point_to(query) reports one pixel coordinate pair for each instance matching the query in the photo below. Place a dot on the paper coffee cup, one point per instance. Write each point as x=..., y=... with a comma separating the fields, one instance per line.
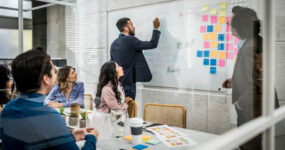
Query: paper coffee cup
x=136, y=130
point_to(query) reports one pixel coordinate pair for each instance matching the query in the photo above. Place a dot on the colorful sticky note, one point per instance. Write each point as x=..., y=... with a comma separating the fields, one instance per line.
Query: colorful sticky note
x=205, y=8
x=207, y=36
x=213, y=70
x=199, y=53
x=221, y=46
x=230, y=55
x=214, y=36
x=153, y=142
x=229, y=46
x=214, y=19
x=217, y=28
x=206, y=53
x=213, y=62
x=221, y=63
x=221, y=37
x=222, y=20
x=203, y=29
x=228, y=28
x=213, y=11
x=222, y=12
x=235, y=51
x=236, y=40
x=223, y=5
x=140, y=147
x=214, y=44
x=228, y=37
x=213, y=54
x=206, y=44
x=204, y=18
x=206, y=62
x=222, y=55
x=210, y=28
x=228, y=19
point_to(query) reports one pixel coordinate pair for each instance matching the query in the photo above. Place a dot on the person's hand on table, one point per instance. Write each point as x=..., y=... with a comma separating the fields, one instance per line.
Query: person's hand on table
x=79, y=134
x=55, y=104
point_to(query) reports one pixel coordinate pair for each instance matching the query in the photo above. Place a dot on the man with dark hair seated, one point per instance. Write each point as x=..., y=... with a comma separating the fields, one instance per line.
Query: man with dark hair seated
x=26, y=123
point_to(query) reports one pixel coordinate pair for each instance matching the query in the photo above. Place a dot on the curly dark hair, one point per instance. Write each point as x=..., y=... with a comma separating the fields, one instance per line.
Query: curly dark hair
x=108, y=73
x=4, y=78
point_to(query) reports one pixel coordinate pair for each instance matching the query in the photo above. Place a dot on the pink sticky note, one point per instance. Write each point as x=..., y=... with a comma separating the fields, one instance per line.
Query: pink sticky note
x=221, y=63
x=205, y=18
x=235, y=51
x=214, y=19
x=228, y=19
x=236, y=40
x=203, y=29
x=229, y=46
x=207, y=44
x=228, y=28
x=230, y=55
x=228, y=37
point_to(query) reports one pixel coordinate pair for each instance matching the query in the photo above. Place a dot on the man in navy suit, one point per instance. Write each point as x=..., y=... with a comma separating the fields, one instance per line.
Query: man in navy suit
x=126, y=50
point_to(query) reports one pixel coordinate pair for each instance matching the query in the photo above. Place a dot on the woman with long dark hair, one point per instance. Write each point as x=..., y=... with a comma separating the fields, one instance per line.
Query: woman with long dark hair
x=5, y=86
x=68, y=90
x=109, y=89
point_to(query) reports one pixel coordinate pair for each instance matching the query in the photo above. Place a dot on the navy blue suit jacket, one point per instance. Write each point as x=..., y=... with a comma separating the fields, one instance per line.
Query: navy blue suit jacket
x=127, y=52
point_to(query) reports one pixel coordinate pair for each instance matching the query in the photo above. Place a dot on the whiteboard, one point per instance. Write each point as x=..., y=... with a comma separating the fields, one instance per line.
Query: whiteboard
x=174, y=63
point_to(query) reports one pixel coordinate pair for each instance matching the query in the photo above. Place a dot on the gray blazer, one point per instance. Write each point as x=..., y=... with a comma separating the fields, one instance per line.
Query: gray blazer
x=243, y=79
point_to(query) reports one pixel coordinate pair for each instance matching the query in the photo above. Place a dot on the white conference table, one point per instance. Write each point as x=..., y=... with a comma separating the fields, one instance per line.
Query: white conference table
x=107, y=141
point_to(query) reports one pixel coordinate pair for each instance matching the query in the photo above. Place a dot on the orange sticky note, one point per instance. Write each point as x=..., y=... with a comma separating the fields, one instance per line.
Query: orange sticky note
x=214, y=44
x=217, y=28
x=213, y=53
x=144, y=138
x=222, y=55
x=222, y=20
x=207, y=36
x=214, y=36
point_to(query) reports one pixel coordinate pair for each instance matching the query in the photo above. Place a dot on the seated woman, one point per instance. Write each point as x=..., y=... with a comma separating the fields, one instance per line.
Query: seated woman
x=67, y=91
x=109, y=89
x=5, y=86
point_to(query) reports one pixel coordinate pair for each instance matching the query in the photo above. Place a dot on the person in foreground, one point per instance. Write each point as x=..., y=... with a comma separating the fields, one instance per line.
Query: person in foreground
x=26, y=123
x=5, y=86
x=109, y=89
x=67, y=91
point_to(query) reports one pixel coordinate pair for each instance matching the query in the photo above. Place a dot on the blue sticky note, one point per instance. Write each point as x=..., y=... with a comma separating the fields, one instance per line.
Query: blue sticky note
x=221, y=37
x=206, y=62
x=213, y=70
x=221, y=46
x=213, y=62
x=199, y=53
x=140, y=147
x=206, y=53
x=210, y=28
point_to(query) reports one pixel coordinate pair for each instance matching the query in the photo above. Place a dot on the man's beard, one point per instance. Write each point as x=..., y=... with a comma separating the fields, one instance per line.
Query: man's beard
x=132, y=33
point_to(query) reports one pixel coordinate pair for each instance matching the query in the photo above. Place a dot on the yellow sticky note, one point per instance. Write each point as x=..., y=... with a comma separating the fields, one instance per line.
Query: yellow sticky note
x=222, y=20
x=222, y=55
x=206, y=36
x=213, y=11
x=144, y=138
x=223, y=5
x=205, y=8
x=214, y=36
x=214, y=44
x=213, y=53
x=217, y=28
x=222, y=12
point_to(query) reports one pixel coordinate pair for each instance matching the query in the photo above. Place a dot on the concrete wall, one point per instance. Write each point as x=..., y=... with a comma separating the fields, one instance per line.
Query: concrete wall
x=86, y=48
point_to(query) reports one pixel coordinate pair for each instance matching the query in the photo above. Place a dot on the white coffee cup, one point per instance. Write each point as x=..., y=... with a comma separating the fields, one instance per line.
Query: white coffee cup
x=136, y=130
